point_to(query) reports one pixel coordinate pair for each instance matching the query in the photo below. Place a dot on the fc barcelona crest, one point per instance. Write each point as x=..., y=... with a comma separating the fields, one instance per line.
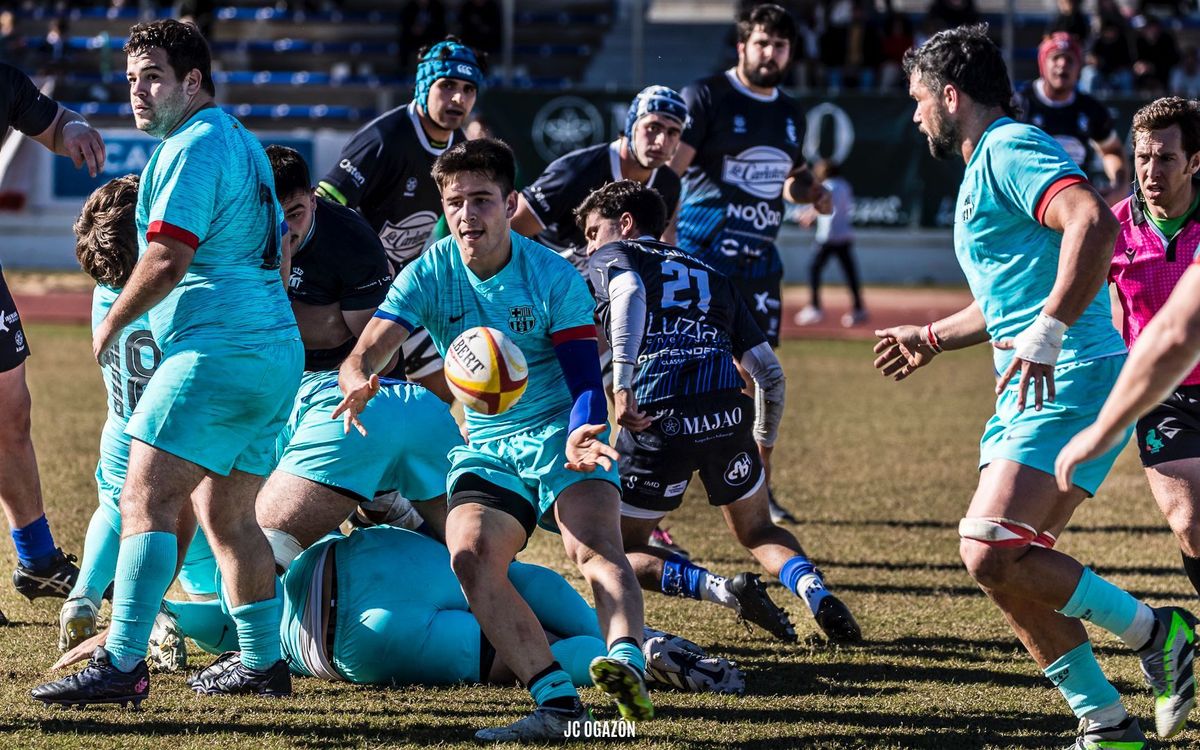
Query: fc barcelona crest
x=520, y=319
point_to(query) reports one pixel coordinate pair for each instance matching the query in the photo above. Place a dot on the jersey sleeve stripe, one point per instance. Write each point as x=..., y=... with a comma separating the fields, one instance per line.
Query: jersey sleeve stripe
x=1050, y=192
x=395, y=319
x=573, y=334
x=163, y=229
x=333, y=192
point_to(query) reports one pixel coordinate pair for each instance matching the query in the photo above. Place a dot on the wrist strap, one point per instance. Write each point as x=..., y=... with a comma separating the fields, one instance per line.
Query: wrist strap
x=932, y=339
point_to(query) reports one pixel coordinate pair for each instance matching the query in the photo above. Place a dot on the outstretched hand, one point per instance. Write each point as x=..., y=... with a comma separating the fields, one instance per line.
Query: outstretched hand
x=586, y=451
x=354, y=402
x=901, y=351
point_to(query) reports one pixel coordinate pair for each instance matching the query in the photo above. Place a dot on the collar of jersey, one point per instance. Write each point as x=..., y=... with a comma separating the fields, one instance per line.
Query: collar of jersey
x=1041, y=96
x=741, y=88
x=1004, y=120
x=614, y=163
x=485, y=284
x=421, y=137
x=200, y=114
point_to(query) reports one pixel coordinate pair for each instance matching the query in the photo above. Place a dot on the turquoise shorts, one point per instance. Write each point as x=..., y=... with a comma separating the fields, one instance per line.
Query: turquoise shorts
x=410, y=433
x=1035, y=438
x=530, y=464
x=222, y=408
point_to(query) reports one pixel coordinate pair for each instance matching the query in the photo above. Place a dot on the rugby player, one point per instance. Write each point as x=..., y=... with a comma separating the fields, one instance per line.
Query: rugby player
x=106, y=247
x=676, y=327
x=42, y=568
x=345, y=620
x=210, y=241
x=740, y=158
x=1035, y=242
x=1080, y=123
x=383, y=172
x=1160, y=234
x=511, y=476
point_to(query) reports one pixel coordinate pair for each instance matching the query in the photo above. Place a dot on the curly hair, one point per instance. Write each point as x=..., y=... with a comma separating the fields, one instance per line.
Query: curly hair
x=1161, y=114
x=184, y=44
x=644, y=204
x=106, y=232
x=967, y=59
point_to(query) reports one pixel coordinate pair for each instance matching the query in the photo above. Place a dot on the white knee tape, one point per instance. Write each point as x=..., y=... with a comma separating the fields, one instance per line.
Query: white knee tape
x=284, y=547
x=997, y=532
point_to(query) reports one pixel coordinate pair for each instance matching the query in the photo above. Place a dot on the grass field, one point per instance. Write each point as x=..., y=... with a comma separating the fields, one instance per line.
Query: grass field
x=881, y=473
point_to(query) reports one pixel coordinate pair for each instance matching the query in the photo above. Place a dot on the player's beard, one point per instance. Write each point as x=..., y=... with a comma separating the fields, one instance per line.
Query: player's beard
x=763, y=77
x=947, y=140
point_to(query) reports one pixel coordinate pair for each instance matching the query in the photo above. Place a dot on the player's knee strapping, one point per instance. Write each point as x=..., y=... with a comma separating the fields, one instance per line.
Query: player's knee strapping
x=284, y=547
x=999, y=532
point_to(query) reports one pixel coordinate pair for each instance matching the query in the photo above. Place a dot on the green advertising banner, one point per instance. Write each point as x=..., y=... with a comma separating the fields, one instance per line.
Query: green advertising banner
x=883, y=155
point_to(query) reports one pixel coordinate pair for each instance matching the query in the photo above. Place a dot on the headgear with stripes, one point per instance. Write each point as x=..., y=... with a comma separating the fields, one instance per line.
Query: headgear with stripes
x=656, y=100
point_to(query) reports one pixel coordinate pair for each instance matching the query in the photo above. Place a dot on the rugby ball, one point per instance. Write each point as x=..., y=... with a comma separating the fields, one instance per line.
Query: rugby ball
x=485, y=370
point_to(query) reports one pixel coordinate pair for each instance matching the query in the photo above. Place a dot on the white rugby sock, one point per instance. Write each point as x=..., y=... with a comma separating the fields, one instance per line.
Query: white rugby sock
x=714, y=588
x=1137, y=635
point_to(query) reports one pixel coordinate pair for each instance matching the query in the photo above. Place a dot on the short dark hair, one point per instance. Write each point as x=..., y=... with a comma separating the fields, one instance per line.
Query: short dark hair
x=490, y=157
x=644, y=204
x=291, y=173
x=1167, y=111
x=772, y=18
x=967, y=59
x=106, y=232
x=184, y=44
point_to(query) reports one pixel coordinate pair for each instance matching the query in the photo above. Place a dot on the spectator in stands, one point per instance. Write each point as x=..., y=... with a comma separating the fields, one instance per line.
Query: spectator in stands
x=422, y=24
x=11, y=43
x=896, y=40
x=200, y=13
x=1110, y=11
x=1072, y=20
x=947, y=14
x=1157, y=53
x=481, y=25
x=1185, y=79
x=1110, y=63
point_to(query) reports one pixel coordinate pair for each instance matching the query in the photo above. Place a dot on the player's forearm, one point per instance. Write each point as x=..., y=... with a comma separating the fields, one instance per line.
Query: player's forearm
x=1114, y=169
x=65, y=118
x=627, y=294
x=962, y=329
x=769, y=392
x=379, y=342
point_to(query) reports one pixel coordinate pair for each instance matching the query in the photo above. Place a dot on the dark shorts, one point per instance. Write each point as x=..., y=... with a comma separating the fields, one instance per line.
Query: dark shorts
x=764, y=298
x=709, y=434
x=13, y=348
x=1171, y=431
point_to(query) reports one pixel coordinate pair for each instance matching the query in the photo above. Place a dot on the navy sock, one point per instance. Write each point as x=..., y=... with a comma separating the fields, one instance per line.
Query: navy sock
x=35, y=544
x=682, y=577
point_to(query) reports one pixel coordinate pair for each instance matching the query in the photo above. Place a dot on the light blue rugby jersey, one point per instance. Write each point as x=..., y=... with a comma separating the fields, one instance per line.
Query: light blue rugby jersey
x=210, y=185
x=1009, y=258
x=534, y=300
x=127, y=365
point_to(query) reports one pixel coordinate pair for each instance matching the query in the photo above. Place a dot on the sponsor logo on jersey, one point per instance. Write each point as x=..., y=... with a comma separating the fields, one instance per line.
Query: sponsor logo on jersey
x=465, y=70
x=759, y=215
x=346, y=166
x=759, y=171
x=521, y=318
x=20, y=340
x=738, y=471
x=410, y=186
x=296, y=278
x=790, y=129
x=968, y=208
x=405, y=239
x=739, y=124
x=718, y=420
x=3, y=322
x=671, y=426
x=675, y=490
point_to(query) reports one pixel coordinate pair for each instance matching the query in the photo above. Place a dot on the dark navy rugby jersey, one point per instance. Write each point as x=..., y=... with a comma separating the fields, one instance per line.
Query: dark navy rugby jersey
x=555, y=195
x=696, y=321
x=1075, y=124
x=746, y=145
x=22, y=106
x=384, y=173
x=341, y=262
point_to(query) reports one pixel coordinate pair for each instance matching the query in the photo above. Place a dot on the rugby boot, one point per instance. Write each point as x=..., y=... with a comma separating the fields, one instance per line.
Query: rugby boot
x=835, y=620
x=1124, y=736
x=1167, y=666
x=228, y=676
x=76, y=622
x=545, y=724
x=56, y=579
x=670, y=665
x=779, y=514
x=677, y=641
x=98, y=682
x=662, y=539
x=754, y=605
x=167, y=648
x=625, y=684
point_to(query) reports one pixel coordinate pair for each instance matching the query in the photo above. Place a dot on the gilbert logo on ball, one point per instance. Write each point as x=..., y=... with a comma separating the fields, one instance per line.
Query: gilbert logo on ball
x=485, y=370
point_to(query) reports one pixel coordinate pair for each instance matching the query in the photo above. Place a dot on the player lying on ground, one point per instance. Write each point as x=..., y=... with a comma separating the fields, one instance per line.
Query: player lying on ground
x=346, y=619
x=544, y=460
x=676, y=328
x=1035, y=242
x=1160, y=234
x=106, y=247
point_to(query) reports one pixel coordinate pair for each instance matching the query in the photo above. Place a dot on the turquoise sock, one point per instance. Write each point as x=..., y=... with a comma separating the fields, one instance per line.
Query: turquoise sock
x=100, y=548
x=207, y=624
x=552, y=683
x=258, y=630
x=575, y=654
x=145, y=567
x=629, y=652
x=1078, y=677
x=1099, y=602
